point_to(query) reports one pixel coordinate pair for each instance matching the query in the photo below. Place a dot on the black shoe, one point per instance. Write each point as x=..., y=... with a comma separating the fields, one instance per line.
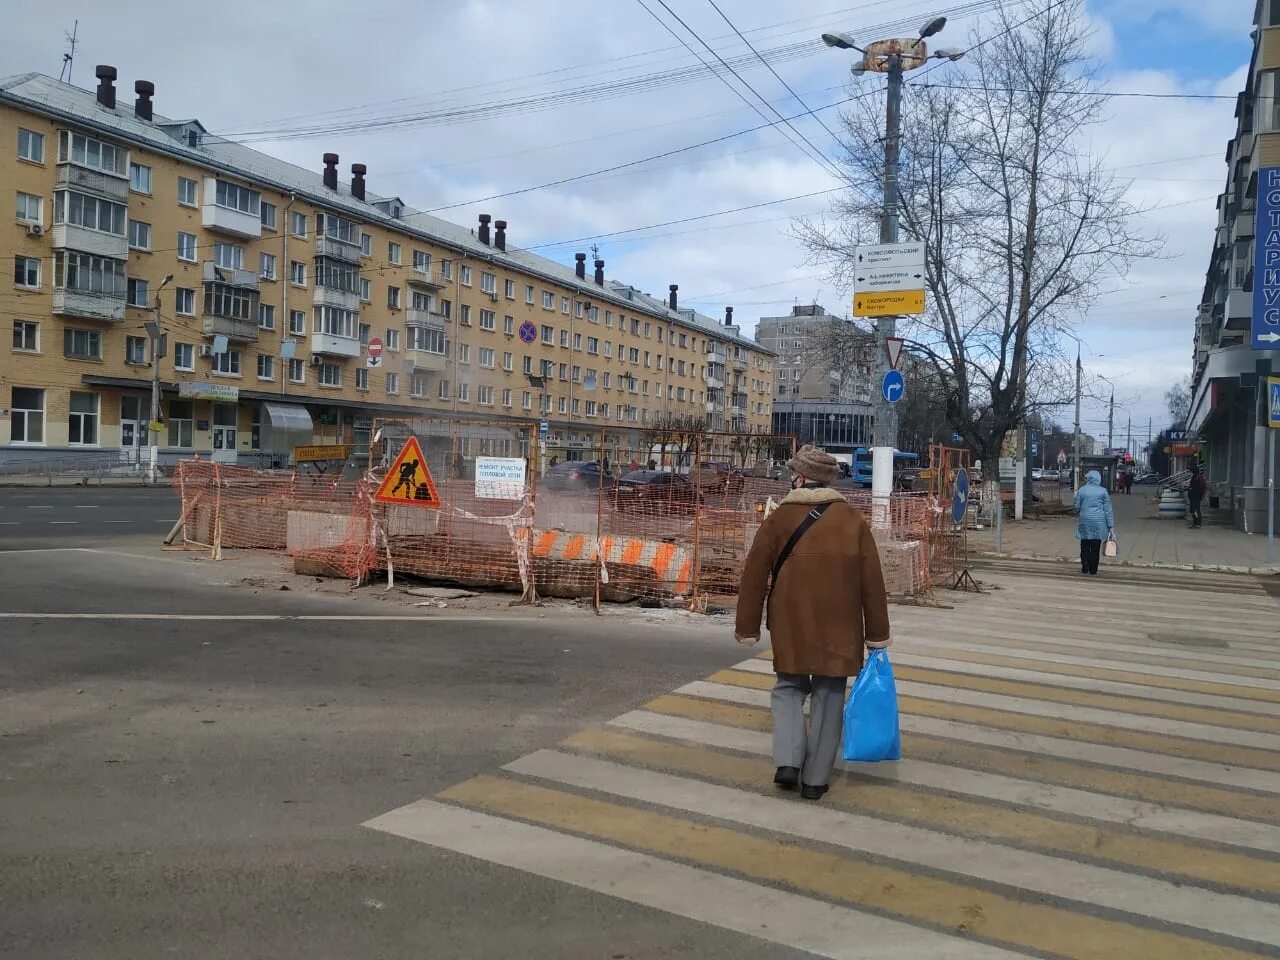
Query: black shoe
x=810, y=792
x=788, y=778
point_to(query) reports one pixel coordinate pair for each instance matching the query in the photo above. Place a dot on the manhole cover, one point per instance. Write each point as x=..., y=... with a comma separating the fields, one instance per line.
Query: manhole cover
x=1188, y=640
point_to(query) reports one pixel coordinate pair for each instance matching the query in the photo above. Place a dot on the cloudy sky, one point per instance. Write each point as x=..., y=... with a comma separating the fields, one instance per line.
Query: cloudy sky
x=450, y=102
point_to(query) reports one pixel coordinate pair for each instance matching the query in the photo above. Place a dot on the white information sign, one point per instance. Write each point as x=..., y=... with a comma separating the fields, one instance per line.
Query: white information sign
x=500, y=478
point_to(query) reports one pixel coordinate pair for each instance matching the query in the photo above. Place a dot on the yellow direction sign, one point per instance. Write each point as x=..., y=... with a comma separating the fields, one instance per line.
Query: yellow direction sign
x=888, y=303
x=318, y=453
x=408, y=483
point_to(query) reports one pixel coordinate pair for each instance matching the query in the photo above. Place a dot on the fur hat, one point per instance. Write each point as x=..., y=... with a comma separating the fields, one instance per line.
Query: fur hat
x=814, y=463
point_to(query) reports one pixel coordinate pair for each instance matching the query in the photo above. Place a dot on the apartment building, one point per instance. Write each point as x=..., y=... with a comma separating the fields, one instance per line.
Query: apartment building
x=1228, y=374
x=269, y=283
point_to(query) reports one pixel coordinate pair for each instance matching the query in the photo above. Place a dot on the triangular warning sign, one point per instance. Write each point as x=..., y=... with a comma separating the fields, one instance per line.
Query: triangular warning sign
x=408, y=483
x=893, y=347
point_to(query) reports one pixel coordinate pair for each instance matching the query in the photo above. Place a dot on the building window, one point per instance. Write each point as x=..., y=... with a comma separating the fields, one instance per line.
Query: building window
x=336, y=322
x=418, y=386
x=362, y=378
x=30, y=208
x=298, y=273
x=91, y=213
x=464, y=353
x=565, y=305
x=269, y=215
x=393, y=298
x=577, y=342
x=528, y=293
x=464, y=315
x=608, y=349
x=487, y=318
x=228, y=256
x=486, y=357
x=139, y=178
x=364, y=332
x=330, y=375
x=187, y=192
x=137, y=293
x=30, y=146
x=484, y=396
x=26, y=336
x=26, y=272
x=577, y=373
x=26, y=415
x=509, y=291
x=446, y=269
x=427, y=340
x=508, y=362
x=82, y=421
x=548, y=300
x=464, y=392
x=182, y=423
x=297, y=371
x=591, y=408
x=393, y=252
x=393, y=339
x=298, y=224
x=421, y=261
x=135, y=350
x=366, y=244
x=227, y=363
x=139, y=235
x=488, y=282
x=509, y=325
x=444, y=390
x=235, y=197
x=266, y=316
x=464, y=275
x=184, y=356
x=506, y=397
x=548, y=334
x=393, y=383
x=297, y=322
x=526, y=400
x=266, y=367
x=564, y=339
x=606, y=380
x=267, y=266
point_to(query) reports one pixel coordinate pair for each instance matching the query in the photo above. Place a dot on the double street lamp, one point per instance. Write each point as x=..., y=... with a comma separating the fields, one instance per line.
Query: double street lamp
x=893, y=58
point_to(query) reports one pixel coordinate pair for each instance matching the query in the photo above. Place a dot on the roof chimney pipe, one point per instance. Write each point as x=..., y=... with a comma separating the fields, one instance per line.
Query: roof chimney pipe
x=331, y=171
x=358, y=170
x=672, y=301
x=106, y=75
x=728, y=316
x=500, y=234
x=580, y=265
x=483, y=233
x=599, y=273
x=145, y=90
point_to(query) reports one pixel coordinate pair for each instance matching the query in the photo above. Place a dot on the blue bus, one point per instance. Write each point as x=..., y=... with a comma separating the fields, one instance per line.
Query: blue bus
x=862, y=464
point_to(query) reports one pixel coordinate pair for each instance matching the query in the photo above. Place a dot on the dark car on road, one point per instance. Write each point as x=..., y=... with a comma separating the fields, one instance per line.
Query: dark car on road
x=576, y=475
x=717, y=477
x=654, y=491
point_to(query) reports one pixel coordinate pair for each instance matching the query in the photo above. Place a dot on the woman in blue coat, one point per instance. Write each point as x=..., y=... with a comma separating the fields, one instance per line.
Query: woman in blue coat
x=1097, y=522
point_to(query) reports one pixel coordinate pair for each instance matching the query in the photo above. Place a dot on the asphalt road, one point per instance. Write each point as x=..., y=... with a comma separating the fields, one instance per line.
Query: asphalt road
x=194, y=785
x=29, y=516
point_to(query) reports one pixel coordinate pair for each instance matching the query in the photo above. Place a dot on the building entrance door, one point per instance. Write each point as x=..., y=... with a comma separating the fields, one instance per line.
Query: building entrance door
x=134, y=438
x=224, y=432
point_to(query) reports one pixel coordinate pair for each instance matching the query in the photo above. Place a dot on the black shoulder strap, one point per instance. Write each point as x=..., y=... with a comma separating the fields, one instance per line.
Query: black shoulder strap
x=796, y=534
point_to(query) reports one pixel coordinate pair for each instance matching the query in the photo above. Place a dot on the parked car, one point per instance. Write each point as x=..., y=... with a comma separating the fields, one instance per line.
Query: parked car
x=1150, y=478
x=718, y=476
x=575, y=475
x=656, y=491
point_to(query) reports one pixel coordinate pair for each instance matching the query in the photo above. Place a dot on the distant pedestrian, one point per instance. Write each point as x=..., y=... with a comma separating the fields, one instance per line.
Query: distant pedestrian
x=1196, y=489
x=1096, y=521
x=1128, y=483
x=815, y=559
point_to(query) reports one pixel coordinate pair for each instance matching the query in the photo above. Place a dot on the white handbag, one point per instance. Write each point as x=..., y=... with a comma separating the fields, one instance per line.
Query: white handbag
x=1111, y=549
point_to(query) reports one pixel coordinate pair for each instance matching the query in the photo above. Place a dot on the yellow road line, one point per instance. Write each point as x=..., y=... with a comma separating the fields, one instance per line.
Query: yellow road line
x=991, y=821
x=946, y=904
x=1045, y=769
x=1229, y=754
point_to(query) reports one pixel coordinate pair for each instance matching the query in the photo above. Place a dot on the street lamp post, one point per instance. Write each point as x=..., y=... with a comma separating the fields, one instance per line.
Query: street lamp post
x=159, y=345
x=893, y=58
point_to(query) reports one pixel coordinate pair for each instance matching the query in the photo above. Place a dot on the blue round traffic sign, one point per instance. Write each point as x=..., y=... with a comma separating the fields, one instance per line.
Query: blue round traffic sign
x=894, y=386
x=960, y=496
x=528, y=332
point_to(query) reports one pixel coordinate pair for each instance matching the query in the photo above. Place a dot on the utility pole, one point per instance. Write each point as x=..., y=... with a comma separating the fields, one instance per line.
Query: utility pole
x=159, y=347
x=1129, y=425
x=1075, y=446
x=1111, y=420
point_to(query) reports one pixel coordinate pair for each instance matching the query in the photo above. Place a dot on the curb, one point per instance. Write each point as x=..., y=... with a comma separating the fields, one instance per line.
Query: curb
x=1265, y=570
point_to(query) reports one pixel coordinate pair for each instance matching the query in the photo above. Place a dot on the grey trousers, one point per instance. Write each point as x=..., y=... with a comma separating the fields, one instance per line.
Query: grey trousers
x=812, y=751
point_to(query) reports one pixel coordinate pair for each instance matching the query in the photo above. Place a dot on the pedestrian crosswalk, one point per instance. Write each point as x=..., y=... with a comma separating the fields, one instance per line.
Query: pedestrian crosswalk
x=1090, y=770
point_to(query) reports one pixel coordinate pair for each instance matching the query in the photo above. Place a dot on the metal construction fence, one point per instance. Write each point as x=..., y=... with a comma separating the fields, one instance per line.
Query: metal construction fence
x=604, y=514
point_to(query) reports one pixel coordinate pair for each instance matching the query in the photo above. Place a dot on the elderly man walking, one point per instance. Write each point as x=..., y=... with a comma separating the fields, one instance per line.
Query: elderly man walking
x=816, y=560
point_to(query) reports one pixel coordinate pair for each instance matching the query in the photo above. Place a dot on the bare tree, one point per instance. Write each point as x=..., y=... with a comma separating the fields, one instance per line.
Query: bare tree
x=1178, y=399
x=1021, y=226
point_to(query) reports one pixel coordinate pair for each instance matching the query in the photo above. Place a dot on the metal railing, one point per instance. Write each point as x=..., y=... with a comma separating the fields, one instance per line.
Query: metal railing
x=78, y=467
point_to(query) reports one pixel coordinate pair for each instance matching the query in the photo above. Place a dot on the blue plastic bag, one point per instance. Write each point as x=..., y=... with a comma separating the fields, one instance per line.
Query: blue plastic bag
x=871, y=713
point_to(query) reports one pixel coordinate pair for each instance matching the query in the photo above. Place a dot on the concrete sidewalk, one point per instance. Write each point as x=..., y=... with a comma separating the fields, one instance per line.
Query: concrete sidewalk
x=1144, y=539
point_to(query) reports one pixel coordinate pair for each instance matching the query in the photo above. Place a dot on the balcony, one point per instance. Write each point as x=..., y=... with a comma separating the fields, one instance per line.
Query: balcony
x=1239, y=309
x=68, y=236
x=426, y=360
x=740, y=364
x=425, y=278
x=1242, y=228
x=236, y=223
x=328, y=246
x=233, y=328
x=335, y=297
x=329, y=344
x=717, y=355
x=88, y=305
x=231, y=276
x=424, y=318
x=93, y=181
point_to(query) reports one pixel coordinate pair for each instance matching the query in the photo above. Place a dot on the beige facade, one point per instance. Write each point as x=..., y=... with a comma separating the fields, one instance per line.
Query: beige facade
x=279, y=260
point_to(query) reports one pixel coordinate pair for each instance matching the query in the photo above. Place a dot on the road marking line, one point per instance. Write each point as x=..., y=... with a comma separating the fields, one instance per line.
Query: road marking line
x=853, y=880
x=63, y=522
x=1062, y=786
x=86, y=506
x=117, y=521
x=253, y=617
x=1082, y=883
x=774, y=916
x=32, y=506
x=889, y=795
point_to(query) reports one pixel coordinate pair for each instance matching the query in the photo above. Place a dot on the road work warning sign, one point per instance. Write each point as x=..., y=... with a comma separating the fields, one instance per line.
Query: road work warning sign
x=408, y=483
